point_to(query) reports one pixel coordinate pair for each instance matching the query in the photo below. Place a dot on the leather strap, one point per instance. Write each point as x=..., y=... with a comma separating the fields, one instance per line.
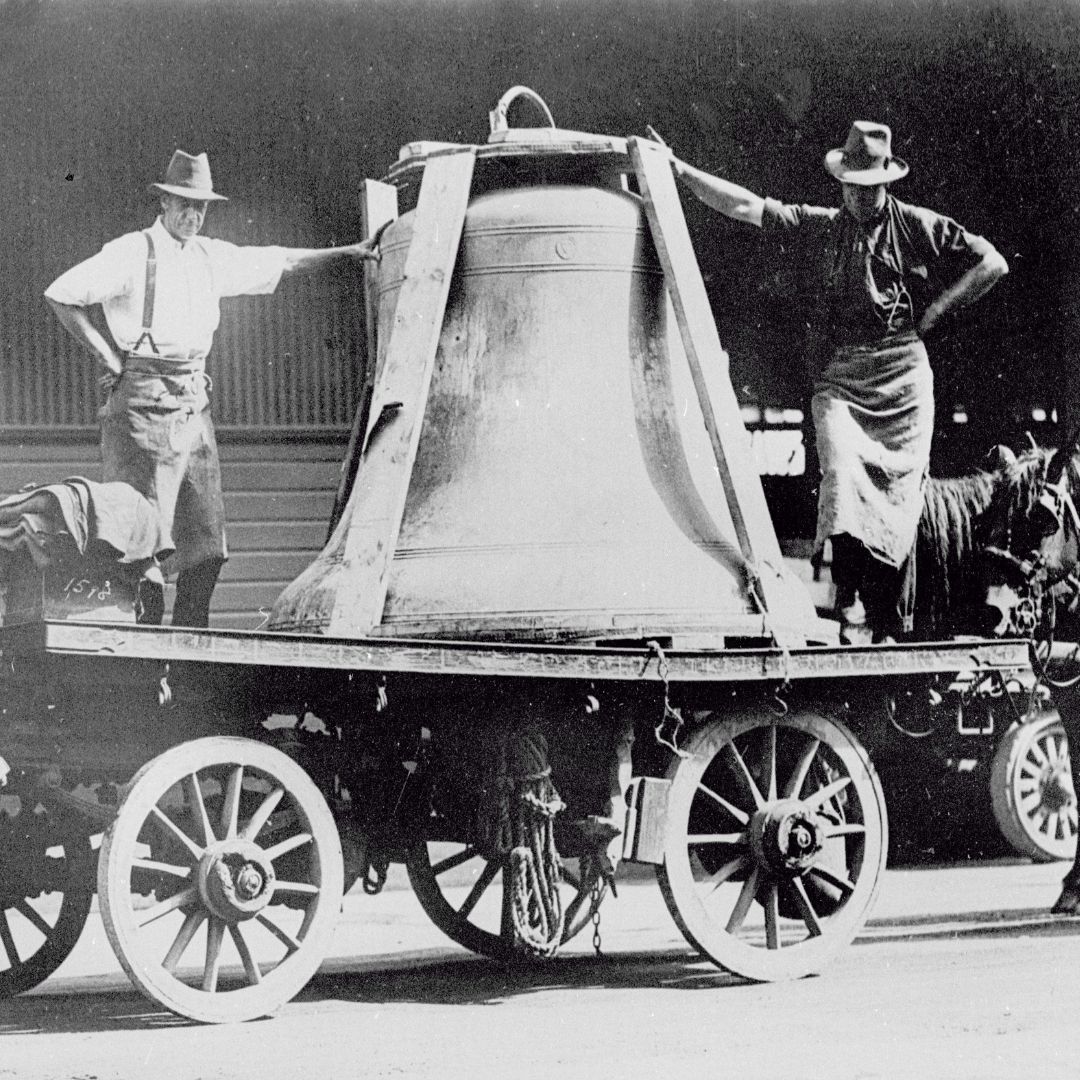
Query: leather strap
x=148, y=296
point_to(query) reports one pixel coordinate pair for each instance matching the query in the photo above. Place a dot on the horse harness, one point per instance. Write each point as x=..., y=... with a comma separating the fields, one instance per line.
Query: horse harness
x=1054, y=512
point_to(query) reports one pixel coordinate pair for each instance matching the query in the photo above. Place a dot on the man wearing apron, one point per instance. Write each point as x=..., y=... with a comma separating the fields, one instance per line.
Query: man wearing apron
x=160, y=290
x=885, y=272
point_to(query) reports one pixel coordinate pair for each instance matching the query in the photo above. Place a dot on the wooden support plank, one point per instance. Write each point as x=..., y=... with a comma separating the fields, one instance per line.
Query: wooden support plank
x=708, y=368
x=377, y=502
x=378, y=207
x=112, y=645
x=730, y=442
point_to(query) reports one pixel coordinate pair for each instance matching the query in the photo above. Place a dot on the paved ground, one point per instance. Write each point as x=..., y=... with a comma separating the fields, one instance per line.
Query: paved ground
x=960, y=974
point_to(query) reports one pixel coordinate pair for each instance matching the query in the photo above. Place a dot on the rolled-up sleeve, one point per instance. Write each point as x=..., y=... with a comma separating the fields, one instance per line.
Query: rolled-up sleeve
x=938, y=237
x=104, y=276
x=781, y=217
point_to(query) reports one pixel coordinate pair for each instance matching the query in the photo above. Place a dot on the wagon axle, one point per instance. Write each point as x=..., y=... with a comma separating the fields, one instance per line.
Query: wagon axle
x=236, y=880
x=786, y=836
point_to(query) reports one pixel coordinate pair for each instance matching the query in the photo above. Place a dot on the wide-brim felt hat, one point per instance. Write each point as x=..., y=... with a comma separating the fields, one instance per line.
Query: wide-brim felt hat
x=866, y=157
x=188, y=175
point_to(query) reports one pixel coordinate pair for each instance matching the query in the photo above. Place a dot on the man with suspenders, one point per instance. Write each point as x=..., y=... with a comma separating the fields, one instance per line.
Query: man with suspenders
x=160, y=290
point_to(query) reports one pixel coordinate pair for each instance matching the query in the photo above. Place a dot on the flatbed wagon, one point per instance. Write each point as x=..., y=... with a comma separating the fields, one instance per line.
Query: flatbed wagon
x=230, y=770
x=551, y=630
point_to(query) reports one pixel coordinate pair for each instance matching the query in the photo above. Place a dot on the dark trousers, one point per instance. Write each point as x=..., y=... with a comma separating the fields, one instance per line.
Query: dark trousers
x=194, y=588
x=887, y=592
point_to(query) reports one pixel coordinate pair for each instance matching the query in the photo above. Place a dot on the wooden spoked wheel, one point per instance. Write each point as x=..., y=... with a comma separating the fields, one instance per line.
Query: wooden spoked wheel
x=464, y=895
x=775, y=843
x=46, y=888
x=1031, y=789
x=220, y=880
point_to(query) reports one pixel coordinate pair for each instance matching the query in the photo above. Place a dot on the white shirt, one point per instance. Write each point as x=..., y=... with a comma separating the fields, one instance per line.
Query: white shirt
x=191, y=279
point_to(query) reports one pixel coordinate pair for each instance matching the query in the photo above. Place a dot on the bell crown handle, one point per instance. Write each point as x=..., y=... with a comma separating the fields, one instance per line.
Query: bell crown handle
x=498, y=115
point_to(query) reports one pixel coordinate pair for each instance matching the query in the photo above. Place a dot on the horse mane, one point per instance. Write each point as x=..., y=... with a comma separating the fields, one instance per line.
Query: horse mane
x=954, y=527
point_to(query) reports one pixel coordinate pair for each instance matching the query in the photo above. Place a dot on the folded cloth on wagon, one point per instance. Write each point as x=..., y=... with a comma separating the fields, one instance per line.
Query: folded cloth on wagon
x=80, y=518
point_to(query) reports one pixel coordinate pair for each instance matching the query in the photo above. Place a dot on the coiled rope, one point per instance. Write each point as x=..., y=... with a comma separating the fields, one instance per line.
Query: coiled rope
x=516, y=824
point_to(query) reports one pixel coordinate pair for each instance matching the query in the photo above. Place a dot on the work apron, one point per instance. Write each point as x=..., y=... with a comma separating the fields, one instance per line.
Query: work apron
x=157, y=435
x=873, y=410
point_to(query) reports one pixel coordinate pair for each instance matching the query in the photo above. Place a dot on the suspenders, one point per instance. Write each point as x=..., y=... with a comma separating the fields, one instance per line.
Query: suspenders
x=148, y=299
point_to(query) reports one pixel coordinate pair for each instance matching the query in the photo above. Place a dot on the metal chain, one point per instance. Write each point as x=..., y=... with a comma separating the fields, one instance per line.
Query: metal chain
x=597, y=894
x=671, y=721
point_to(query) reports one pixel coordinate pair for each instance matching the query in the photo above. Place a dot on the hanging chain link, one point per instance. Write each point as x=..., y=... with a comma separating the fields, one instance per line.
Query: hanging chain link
x=597, y=894
x=670, y=724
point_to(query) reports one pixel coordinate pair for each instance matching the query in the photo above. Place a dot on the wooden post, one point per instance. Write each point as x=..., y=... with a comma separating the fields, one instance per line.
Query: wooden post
x=377, y=502
x=378, y=207
x=708, y=367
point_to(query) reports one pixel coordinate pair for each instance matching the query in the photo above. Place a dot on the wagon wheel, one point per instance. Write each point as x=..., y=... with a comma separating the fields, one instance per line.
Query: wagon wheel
x=1031, y=789
x=46, y=888
x=220, y=880
x=775, y=843
x=463, y=893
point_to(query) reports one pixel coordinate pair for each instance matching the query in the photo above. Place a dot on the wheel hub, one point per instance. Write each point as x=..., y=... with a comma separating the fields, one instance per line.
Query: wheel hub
x=1057, y=790
x=236, y=880
x=787, y=836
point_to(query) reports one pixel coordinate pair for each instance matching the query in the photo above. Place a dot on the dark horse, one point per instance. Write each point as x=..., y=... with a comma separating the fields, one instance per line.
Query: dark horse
x=978, y=547
x=997, y=552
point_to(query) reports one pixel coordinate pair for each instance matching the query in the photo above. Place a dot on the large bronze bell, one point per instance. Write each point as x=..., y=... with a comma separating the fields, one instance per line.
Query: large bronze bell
x=563, y=484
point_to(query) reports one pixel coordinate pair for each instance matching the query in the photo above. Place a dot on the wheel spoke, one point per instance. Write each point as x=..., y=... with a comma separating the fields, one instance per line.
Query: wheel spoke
x=230, y=809
x=297, y=887
x=829, y=791
x=174, y=830
x=834, y=877
x=847, y=828
x=215, y=936
x=1030, y=802
x=161, y=867
x=737, y=838
x=290, y=943
x=455, y=860
x=801, y=770
x=742, y=905
x=172, y=903
x=806, y=908
x=771, y=764
x=183, y=939
x=251, y=969
x=8, y=941
x=198, y=808
x=479, y=888
x=744, y=772
x=772, y=916
x=728, y=870
x=741, y=816
x=31, y=915
x=291, y=844
x=262, y=815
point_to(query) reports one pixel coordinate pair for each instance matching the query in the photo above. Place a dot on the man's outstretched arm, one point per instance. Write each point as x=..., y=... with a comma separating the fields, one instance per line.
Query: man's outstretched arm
x=313, y=258
x=722, y=195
